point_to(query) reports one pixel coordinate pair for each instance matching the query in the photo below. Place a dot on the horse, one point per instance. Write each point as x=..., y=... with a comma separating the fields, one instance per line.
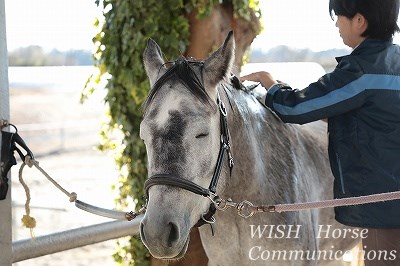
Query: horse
x=207, y=138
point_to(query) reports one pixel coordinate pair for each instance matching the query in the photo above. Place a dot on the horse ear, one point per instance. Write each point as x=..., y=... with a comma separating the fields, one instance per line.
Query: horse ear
x=153, y=61
x=219, y=64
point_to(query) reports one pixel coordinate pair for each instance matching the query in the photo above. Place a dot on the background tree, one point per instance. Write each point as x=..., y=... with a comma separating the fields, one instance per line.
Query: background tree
x=191, y=28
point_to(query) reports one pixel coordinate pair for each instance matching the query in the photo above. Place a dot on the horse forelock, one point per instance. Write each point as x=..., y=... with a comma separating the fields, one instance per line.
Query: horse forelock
x=182, y=70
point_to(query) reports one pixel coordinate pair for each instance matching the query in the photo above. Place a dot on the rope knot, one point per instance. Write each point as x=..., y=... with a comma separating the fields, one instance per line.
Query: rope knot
x=29, y=161
x=73, y=197
x=28, y=221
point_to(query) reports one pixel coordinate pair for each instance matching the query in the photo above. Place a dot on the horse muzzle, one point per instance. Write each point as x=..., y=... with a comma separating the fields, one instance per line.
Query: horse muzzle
x=165, y=238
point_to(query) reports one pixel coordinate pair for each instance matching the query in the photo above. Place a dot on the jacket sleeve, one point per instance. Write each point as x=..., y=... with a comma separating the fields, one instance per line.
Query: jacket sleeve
x=333, y=94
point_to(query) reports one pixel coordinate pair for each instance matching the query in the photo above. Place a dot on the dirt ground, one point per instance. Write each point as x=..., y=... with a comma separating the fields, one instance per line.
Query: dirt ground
x=62, y=133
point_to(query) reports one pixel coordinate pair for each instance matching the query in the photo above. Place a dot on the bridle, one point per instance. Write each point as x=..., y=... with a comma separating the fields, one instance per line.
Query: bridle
x=211, y=191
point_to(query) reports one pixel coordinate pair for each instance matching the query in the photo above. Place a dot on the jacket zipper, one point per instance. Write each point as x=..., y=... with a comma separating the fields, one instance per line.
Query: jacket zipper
x=340, y=173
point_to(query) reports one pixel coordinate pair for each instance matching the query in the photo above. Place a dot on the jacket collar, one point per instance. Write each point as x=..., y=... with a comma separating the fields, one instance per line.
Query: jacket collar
x=369, y=46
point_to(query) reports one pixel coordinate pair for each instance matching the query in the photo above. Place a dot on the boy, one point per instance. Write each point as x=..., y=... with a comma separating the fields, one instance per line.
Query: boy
x=361, y=101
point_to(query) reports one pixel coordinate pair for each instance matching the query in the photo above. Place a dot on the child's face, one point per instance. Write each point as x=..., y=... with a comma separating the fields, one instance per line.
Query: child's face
x=350, y=30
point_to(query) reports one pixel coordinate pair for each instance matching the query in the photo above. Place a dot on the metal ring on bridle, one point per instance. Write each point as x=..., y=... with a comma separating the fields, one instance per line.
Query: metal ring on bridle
x=211, y=221
x=245, y=206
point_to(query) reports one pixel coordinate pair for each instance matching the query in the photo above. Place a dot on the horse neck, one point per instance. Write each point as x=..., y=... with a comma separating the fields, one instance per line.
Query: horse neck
x=258, y=137
x=248, y=118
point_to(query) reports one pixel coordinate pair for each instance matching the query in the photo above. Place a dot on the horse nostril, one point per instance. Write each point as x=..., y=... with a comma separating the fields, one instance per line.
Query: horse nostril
x=173, y=234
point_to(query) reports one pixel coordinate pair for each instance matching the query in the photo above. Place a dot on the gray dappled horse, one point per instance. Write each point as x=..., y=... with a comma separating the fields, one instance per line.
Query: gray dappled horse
x=185, y=131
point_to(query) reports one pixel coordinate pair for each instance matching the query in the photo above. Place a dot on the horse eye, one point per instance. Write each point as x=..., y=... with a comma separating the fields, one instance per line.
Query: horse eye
x=203, y=135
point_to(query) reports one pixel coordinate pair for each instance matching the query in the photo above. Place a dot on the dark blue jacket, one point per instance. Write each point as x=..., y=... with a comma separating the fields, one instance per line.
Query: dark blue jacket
x=361, y=99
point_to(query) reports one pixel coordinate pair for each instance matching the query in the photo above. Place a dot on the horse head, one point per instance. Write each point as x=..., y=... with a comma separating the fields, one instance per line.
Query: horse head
x=181, y=129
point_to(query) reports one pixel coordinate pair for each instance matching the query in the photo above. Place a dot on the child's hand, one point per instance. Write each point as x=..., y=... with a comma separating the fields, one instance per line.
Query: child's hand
x=263, y=77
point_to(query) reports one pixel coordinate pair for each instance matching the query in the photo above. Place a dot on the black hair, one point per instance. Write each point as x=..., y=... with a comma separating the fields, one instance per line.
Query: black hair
x=380, y=14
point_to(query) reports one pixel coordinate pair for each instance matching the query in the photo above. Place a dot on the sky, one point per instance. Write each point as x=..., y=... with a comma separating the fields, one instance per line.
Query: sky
x=60, y=24
x=67, y=24
x=299, y=24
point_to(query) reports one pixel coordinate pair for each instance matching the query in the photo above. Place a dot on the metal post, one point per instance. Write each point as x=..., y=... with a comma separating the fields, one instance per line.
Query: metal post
x=5, y=205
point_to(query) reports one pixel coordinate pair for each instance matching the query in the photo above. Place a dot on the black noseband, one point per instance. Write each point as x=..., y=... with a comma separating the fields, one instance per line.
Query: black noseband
x=169, y=180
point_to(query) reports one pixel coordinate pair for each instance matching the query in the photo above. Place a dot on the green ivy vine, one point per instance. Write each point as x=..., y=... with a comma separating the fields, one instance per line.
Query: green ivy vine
x=123, y=31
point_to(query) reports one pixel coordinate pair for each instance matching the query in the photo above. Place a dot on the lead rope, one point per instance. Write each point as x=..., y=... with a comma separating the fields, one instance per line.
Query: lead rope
x=27, y=220
x=30, y=162
x=30, y=222
x=247, y=209
x=337, y=202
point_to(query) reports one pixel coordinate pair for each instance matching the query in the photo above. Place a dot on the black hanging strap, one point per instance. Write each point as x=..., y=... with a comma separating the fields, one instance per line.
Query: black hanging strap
x=8, y=146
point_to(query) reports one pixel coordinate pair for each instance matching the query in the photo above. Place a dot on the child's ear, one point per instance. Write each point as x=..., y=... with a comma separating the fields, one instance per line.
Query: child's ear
x=361, y=23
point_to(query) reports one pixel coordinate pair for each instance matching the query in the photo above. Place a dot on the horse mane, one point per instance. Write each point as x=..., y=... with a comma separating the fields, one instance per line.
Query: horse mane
x=183, y=70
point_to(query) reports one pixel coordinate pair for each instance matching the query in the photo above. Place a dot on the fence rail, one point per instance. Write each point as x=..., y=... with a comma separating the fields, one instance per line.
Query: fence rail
x=74, y=238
